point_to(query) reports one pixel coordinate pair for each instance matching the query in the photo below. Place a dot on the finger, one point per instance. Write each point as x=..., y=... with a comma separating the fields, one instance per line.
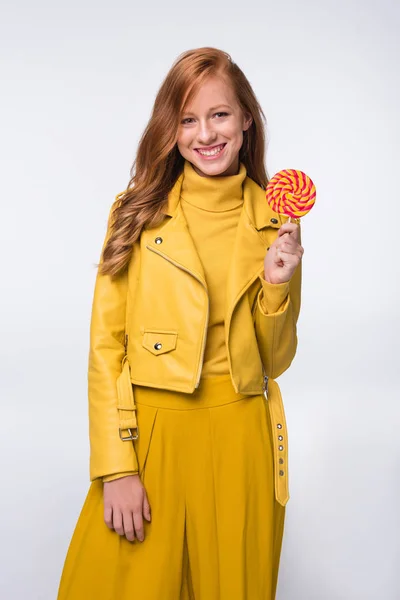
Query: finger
x=288, y=245
x=287, y=258
x=290, y=228
x=286, y=236
x=128, y=525
x=117, y=521
x=138, y=524
x=108, y=517
x=287, y=240
x=146, y=508
x=287, y=228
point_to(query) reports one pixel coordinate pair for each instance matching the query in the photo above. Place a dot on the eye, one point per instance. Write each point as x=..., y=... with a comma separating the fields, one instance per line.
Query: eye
x=184, y=121
x=225, y=114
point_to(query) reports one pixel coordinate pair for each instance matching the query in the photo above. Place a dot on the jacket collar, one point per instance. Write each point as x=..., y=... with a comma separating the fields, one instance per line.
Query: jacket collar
x=254, y=203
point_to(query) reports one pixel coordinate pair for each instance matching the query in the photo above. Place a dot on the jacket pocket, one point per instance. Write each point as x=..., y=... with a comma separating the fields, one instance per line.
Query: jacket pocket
x=159, y=341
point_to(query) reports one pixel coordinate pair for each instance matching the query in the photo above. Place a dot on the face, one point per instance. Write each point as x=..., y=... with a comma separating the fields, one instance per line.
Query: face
x=210, y=132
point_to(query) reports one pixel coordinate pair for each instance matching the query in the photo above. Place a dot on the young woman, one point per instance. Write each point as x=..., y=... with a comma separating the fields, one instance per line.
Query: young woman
x=194, y=315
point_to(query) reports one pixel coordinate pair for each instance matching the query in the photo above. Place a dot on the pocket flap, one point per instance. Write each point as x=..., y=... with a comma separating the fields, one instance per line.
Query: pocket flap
x=159, y=341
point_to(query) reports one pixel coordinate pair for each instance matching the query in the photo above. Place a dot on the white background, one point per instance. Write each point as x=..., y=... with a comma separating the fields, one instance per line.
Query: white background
x=78, y=82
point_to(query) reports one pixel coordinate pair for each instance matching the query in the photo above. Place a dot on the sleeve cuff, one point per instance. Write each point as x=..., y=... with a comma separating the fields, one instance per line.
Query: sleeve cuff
x=272, y=295
x=118, y=475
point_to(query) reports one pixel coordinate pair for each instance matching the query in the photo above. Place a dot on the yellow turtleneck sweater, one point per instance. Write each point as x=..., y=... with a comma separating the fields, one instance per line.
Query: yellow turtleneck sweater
x=212, y=207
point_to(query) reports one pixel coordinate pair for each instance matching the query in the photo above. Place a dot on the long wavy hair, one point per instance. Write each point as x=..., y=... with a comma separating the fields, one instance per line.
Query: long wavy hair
x=158, y=162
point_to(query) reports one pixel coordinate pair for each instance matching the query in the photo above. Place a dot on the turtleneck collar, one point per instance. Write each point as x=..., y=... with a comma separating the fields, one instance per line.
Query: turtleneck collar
x=214, y=194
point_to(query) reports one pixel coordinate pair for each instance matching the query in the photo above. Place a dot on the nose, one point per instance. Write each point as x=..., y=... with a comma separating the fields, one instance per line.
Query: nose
x=205, y=134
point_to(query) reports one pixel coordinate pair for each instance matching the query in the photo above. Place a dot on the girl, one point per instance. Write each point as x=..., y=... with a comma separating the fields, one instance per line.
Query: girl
x=194, y=315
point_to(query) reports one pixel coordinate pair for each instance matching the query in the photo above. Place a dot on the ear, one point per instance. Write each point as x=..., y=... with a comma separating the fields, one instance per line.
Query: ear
x=248, y=119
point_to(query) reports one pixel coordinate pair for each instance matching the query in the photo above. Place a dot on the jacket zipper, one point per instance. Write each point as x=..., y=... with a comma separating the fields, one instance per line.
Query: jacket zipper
x=126, y=343
x=203, y=346
x=265, y=383
x=207, y=315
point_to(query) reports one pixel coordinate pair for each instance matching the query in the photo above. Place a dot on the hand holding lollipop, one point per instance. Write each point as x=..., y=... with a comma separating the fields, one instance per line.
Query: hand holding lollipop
x=292, y=193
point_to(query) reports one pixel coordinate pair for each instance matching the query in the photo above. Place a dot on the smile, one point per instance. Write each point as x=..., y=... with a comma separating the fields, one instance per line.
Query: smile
x=214, y=152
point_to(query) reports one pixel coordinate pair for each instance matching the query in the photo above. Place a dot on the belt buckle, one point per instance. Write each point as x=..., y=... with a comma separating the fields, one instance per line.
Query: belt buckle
x=131, y=436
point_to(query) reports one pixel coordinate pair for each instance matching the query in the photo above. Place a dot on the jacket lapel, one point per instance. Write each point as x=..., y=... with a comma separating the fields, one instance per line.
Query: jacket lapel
x=247, y=260
x=177, y=244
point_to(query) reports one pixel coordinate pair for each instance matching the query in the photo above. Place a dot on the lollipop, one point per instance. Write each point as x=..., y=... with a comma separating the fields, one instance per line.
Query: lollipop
x=291, y=192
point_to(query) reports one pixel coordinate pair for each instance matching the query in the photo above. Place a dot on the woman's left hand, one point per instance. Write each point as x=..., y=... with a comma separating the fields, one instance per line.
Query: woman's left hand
x=284, y=255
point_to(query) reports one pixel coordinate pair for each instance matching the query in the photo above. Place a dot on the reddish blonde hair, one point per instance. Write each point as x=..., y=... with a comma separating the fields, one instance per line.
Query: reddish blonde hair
x=159, y=163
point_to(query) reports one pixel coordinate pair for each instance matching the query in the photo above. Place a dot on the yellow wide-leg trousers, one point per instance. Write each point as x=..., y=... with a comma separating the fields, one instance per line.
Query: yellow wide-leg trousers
x=206, y=461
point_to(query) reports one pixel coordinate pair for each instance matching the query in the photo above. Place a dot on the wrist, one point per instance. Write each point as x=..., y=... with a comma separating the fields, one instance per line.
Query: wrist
x=272, y=281
x=115, y=476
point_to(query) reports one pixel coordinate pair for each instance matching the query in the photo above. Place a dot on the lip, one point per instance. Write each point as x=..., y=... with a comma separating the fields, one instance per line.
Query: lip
x=211, y=148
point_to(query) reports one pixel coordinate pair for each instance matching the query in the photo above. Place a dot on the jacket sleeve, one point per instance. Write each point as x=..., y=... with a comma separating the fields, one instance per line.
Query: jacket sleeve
x=118, y=476
x=275, y=320
x=109, y=455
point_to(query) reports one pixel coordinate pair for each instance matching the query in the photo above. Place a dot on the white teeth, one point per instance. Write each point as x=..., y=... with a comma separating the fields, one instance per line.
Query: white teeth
x=210, y=152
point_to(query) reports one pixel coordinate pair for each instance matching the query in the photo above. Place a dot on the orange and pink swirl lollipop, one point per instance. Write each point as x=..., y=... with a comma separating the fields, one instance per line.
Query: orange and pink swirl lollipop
x=291, y=192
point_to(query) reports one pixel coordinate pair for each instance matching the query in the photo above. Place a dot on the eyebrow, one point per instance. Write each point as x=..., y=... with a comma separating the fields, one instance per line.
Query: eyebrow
x=211, y=109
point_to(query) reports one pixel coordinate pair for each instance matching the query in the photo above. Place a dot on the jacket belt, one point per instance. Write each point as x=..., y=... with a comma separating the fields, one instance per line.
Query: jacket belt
x=279, y=441
x=126, y=404
x=128, y=422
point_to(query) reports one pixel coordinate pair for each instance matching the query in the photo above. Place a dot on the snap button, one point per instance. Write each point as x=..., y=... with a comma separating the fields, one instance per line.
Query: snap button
x=158, y=346
x=158, y=240
x=274, y=221
x=281, y=448
x=281, y=473
x=279, y=426
x=280, y=437
x=281, y=461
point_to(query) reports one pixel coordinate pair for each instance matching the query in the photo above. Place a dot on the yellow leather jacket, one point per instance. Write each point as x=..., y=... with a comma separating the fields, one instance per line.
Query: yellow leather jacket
x=149, y=327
